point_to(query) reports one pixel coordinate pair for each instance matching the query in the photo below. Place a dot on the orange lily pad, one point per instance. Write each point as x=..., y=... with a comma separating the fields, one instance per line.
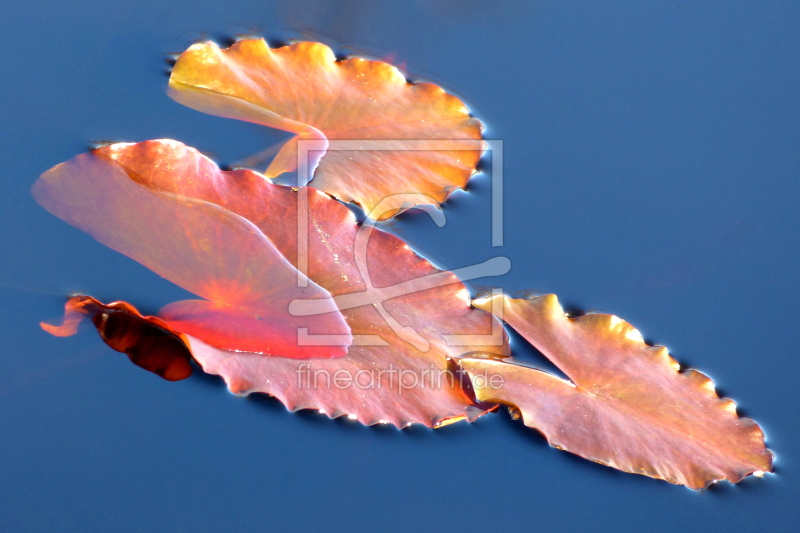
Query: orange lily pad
x=406, y=144
x=201, y=247
x=627, y=405
x=407, y=319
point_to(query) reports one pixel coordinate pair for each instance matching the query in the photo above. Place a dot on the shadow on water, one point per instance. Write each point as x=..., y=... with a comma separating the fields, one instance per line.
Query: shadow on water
x=573, y=310
x=209, y=381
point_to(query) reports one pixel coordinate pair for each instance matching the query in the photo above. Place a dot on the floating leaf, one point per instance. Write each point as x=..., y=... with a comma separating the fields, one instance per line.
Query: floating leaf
x=627, y=406
x=407, y=318
x=199, y=246
x=434, y=143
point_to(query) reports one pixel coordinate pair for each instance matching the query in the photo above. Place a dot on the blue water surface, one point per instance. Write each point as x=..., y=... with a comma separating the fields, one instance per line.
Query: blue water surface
x=651, y=164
